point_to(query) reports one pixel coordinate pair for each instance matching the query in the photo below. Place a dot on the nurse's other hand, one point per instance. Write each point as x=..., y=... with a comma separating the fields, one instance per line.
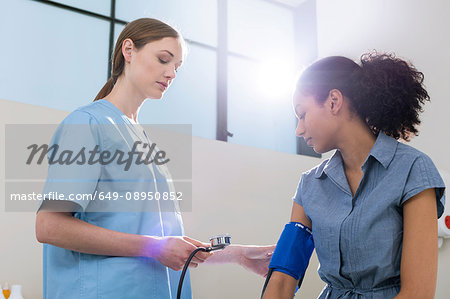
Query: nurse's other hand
x=256, y=258
x=173, y=252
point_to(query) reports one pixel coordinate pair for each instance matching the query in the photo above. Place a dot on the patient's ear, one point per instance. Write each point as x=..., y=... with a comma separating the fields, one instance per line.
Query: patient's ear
x=335, y=101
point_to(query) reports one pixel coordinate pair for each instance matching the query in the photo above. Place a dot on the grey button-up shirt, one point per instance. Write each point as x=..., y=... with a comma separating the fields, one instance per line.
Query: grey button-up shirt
x=358, y=238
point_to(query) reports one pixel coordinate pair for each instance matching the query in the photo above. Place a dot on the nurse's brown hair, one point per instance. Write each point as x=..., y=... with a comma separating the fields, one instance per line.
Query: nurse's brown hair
x=141, y=32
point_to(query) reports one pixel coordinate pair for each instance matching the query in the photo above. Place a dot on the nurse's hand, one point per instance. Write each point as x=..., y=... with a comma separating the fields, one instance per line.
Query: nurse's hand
x=173, y=252
x=256, y=258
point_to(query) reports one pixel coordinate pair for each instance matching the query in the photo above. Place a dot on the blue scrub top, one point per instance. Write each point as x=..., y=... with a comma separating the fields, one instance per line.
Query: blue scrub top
x=358, y=239
x=70, y=274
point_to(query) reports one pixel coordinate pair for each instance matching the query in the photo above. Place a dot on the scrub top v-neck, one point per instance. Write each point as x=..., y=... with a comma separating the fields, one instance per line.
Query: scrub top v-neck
x=74, y=275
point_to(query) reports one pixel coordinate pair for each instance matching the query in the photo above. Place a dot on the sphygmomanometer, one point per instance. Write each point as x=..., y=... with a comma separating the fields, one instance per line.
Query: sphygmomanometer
x=292, y=253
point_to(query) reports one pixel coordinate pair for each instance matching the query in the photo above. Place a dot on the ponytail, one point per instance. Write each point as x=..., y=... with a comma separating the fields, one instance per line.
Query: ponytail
x=384, y=91
x=389, y=95
x=107, y=88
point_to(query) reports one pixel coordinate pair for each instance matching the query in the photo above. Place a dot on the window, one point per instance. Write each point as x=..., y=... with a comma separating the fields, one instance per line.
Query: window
x=232, y=86
x=56, y=58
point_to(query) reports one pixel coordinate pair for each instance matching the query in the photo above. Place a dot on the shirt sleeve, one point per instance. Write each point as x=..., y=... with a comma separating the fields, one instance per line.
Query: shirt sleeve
x=424, y=175
x=298, y=198
x=71, y=174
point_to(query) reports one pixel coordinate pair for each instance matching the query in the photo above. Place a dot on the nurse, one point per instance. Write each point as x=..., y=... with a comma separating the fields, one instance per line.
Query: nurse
x=373, y=206
x=110, y=247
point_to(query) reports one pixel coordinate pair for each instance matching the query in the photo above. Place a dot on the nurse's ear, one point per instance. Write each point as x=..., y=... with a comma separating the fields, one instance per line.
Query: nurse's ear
x=335, y=101
x=127, y=49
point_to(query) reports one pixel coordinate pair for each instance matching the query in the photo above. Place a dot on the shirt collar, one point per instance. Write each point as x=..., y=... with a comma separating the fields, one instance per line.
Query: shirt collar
x=383, y=151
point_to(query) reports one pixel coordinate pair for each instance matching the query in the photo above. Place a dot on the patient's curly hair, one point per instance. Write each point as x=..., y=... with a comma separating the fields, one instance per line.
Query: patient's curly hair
x=385, y=91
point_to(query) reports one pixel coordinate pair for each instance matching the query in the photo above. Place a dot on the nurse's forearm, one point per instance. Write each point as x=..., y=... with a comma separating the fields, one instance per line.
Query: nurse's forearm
x=63, y=230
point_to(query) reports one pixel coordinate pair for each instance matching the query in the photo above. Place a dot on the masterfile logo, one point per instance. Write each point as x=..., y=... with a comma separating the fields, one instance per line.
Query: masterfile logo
x=106, y=168
x=146, y=155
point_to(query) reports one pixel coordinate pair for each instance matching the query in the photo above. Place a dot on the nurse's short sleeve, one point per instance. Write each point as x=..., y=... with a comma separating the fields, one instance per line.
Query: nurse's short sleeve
x=424, y=175
x=298, y=194
x=71, y=174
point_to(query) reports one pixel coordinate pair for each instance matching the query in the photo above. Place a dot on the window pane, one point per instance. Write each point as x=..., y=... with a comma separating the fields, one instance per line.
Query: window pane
x=257, y=117
x=192, y=97
x=260, y=29
x=55, y=58
x=195, y=19
x=98, y=6
x=117, y=30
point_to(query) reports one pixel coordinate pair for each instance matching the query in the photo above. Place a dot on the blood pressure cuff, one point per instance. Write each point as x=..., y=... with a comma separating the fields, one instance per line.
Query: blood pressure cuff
x=293, y=250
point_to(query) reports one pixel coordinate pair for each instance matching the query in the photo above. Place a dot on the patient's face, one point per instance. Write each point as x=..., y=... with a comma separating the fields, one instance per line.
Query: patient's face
x=315, y=123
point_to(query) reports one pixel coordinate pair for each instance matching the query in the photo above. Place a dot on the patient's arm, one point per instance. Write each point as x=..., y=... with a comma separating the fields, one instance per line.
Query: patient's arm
x=253, y=258
x=282, y=285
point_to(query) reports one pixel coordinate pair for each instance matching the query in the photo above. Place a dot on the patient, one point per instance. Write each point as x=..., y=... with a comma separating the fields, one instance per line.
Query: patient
x=362, y=204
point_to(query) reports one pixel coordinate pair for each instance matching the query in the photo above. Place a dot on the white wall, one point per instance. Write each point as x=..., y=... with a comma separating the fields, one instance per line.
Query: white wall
x=415, y=30
x=20, y=253
x=418, y=31
x=239, y=190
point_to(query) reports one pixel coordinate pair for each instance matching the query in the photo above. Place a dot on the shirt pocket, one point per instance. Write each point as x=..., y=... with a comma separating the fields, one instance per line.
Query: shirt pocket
x=128, y=277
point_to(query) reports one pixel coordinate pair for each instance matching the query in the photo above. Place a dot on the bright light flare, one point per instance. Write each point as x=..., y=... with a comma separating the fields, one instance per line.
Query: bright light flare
x=275, y=79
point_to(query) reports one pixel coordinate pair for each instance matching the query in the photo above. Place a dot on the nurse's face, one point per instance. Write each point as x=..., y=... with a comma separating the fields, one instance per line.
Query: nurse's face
x=152, y=68
x=316, y=123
